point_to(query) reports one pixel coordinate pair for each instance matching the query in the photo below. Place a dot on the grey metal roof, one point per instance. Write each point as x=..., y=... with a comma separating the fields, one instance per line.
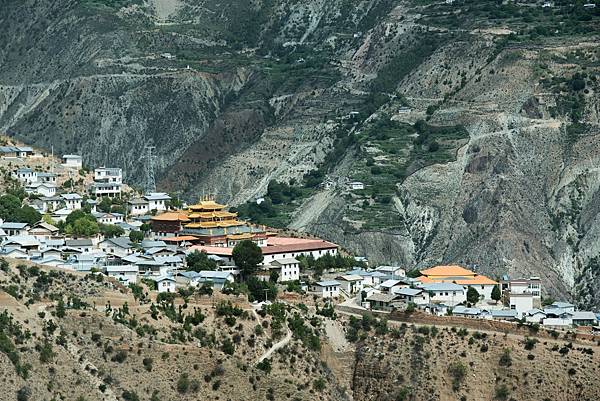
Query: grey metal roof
x=411, y=292
x=10, y=225
x=462, y=310
x=442, y=287
x=504, y=313
x=157, y=196
x=138, y=201
x=79, y=242
x=327, y=283
x=560, y=304
x=123, y=242
x=390, y=283
x=148, y=243
x=584, y=315
x=382, y=297
x=72, y=196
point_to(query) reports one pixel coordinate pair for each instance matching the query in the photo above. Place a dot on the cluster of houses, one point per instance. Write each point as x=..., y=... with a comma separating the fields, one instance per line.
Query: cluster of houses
x=442, y=290
x=155, y=259
x=208, y=227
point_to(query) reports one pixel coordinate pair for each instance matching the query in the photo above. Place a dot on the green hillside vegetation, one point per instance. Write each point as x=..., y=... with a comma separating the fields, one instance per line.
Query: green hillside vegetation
x=391, y=151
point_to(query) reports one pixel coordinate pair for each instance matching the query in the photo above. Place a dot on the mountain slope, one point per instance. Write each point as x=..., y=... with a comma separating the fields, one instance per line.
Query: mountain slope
x=473, y=127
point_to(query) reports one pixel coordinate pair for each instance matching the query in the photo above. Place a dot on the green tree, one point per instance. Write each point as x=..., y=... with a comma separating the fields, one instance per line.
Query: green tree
x=60, y=308
x=257, y=289
x=111, y=230
x=472, y=295
x=27, y=214
x=8, y=205
x=11, y=210
x=136, y=236
x=496, y=295
x=105, y=205
x=198, y=261
x=247, y=256
x=83, y=228
x=205, y=289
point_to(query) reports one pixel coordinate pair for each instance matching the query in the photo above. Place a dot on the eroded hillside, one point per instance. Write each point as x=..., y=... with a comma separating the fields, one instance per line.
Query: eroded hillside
x=473, y=124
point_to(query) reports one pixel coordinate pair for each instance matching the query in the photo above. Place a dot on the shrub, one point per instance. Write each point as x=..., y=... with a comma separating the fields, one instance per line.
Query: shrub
x=23, y=394
x=147, y=362
x=120, y=356
x=505, y=358
x=46, y=353
x=130, y=395
x=458, y=371
x=319, y=384
x=183, y=383
x=228, y=347
x=502, y=392
x=530, y=343
x=264, y=365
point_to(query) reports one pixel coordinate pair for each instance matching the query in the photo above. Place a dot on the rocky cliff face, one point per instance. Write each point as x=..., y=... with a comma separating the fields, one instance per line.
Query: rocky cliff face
x=502, y=176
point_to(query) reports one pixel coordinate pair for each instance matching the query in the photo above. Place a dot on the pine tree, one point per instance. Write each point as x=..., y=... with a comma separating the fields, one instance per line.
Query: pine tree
x=496, y=295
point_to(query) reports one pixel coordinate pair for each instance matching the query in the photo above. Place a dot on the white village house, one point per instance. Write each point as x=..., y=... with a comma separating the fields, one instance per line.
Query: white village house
x=287, y=268
x=72, y=201
x=326, y=289
x=74, y=161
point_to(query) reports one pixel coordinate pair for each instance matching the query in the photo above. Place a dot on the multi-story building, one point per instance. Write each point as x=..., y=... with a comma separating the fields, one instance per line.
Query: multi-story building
x=108, y=181
x=531, y=285
x=158, y=201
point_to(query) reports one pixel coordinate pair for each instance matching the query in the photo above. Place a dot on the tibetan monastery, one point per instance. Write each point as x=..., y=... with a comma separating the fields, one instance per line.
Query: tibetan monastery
x=210, y=224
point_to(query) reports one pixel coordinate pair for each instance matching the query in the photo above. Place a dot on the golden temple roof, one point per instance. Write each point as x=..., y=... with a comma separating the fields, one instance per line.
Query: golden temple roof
x=206, y=205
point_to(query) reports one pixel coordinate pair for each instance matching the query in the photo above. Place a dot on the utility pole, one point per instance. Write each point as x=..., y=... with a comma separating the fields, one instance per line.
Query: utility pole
x=150, y=180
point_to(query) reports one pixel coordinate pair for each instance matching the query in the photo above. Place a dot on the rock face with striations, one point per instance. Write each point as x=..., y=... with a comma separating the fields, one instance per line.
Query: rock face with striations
x=237, y=94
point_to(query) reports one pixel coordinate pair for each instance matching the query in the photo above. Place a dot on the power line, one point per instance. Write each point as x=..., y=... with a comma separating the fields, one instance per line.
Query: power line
x=149, y=157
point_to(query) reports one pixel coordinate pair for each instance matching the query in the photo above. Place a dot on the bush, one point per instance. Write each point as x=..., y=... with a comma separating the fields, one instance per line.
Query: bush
x=23, y=394
x=147, y=362
x=183, y=383
x=530, y=343
x=505, y=358
x=458, y=371
x=228, y=347
x=502, y=392
x=264, y=365
x=319, y=384
x=120, y=356
x=46, y=353
x=130, y=395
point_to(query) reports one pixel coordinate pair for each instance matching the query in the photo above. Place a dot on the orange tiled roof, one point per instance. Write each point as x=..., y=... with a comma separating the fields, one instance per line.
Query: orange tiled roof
x=461, y=280
x=452, y=270
x=171, y=216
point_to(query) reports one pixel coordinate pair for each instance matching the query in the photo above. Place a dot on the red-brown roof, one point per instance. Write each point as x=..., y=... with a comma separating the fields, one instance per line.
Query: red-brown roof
x=291, y=245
